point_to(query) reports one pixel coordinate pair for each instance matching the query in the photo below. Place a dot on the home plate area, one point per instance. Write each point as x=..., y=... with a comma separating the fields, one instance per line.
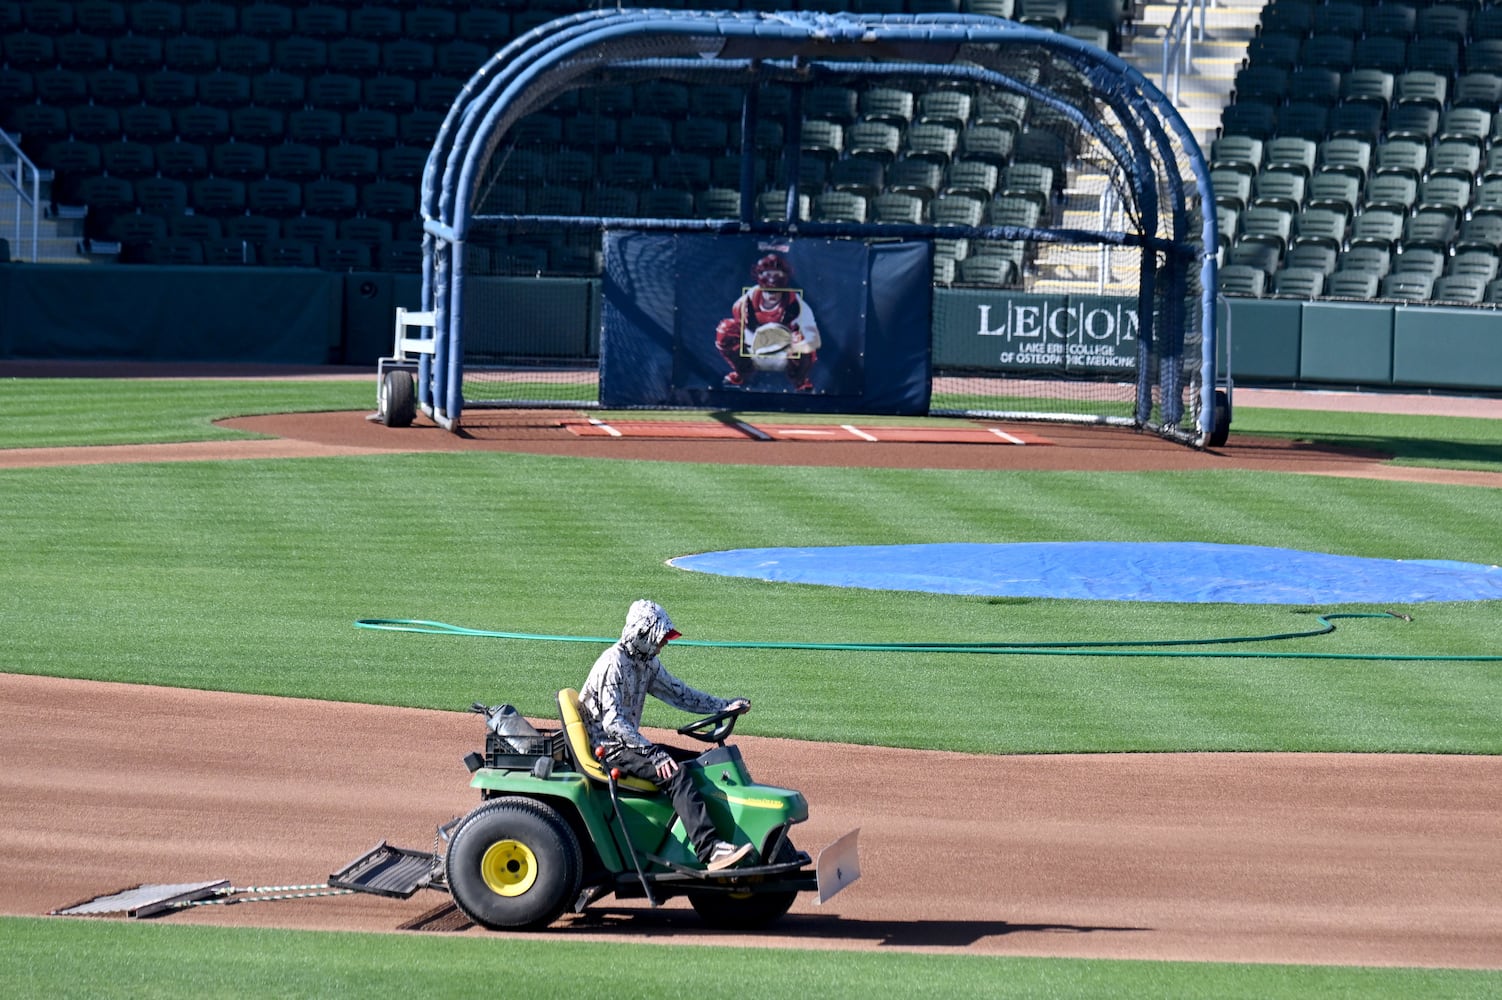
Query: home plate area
x=739, y=430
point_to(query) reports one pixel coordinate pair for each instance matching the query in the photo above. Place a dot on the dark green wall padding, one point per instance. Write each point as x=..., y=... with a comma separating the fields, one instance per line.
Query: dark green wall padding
x=300, y=316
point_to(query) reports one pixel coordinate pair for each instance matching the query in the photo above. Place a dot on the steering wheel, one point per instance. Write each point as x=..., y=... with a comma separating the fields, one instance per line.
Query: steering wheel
x=713, y=728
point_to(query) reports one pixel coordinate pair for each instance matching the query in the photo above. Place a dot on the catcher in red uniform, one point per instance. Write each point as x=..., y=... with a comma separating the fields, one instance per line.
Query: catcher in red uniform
x=770, y=328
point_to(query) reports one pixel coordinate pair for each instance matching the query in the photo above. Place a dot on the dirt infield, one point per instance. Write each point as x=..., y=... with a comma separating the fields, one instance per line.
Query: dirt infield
x=1318, y=858
x=1310, y=858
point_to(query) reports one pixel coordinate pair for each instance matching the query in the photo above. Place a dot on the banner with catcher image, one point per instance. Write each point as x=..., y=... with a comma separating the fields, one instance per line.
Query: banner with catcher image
x=770, y=323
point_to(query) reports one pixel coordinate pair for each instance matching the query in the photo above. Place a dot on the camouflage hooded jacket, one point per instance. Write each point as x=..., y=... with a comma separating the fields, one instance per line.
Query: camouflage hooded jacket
x=616, y=690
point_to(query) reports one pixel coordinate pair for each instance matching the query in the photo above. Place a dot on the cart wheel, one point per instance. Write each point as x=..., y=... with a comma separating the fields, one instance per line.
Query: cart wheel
x=514, y=864
x=398, y=400
x=1220, y=428
x=743, y=911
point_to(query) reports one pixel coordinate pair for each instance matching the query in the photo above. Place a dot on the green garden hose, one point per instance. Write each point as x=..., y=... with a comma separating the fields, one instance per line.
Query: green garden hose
x=1150, y=647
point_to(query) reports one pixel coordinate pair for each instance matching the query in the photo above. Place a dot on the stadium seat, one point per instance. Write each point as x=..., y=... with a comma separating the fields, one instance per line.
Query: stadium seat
x=1392, y=190
x=718, y=203
x=1411, y=287
x=238, y=159
x=974, y=178
x=194, y=227
x=1468, y=289
x=1321, y=225
x=155, y=17
x=145, y=123
x=1408, y=157
x=922, y=178
x=875, y=139
x=169, y=88
x=300, y=54
x=1371, y=87
x=1304, y=120
x=1482, y=231
x=273, y=196
x=956, y=210
x=93, y=123
x=1372, y=260
x=1478, y=90
x=1013, y=211
x=224, y=89
x=822, y=139
x=1382, y=52
x=1267, y=224
x=1422, y=87
x=1248, y=118
x=841, y=206
x=1242, y=280
x=70, y=157
x=1360, y=285
x=890, y=105
x=202, y=124
x=283, y=252
x=309, y=229
x=218, y=195
x=1345, y=20
x=1378, y=226
x=104, y=18
x=1356, y=120
x=182, y=160
x=331, y=198
x=388, y=200
x=1419, y=260
x=987, y=269
x=251, y=229
x=896, y=207
x=1334, y=190
x=1278, y=189
x=266, y=20
x=667, y=203
x=208, y=19
x=1312, y=257
x=833, y=103
x=859, y=175
x=1236, y=152
x=1397, y=20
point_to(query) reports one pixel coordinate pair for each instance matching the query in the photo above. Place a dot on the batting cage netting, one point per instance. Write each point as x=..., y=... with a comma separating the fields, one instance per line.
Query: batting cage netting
x=946, y=214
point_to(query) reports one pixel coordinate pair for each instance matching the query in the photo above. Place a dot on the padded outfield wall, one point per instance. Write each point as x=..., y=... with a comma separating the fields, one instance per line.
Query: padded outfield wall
x=297, y=316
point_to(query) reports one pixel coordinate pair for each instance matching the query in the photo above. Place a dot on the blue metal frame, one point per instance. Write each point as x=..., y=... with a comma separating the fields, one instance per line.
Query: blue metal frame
x=537, y=66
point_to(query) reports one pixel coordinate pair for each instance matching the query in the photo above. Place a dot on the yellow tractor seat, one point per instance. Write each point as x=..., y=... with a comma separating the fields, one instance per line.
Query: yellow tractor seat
x=583, y=754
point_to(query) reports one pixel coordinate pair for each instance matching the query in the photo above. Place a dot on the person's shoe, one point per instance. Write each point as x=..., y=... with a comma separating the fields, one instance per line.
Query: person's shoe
x=734, y=378
x=726, y=856
x=807, y=385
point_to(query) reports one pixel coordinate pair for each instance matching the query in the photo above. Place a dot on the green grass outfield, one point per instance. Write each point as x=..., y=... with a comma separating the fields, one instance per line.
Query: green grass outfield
x=248, y=575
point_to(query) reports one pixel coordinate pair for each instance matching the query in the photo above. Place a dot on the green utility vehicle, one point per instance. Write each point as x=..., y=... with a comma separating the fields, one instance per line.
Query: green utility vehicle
x=556, y=831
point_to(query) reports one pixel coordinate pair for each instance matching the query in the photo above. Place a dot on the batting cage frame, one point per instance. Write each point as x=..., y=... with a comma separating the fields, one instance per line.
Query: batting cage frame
x=1158, y=176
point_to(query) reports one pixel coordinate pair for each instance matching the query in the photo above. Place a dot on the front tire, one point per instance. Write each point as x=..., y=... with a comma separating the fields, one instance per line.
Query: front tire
x=746, y=911
x=514, y=864
x=398, y=399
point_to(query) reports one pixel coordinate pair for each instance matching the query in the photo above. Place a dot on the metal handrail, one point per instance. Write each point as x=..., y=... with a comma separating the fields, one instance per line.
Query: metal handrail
x=1178, y=44
x=16, y=174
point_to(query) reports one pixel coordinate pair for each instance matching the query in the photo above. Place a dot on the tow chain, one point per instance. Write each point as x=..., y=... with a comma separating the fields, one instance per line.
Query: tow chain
x=264, y=894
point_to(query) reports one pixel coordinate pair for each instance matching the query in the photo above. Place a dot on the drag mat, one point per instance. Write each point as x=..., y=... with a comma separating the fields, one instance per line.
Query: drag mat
x=1318, y=858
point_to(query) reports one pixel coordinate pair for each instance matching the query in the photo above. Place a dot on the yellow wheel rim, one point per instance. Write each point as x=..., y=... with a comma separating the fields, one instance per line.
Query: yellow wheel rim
x=509, y=867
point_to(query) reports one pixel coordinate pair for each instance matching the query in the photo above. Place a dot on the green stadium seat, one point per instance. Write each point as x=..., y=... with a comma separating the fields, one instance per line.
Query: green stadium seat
x=1299, y=283
x=1312, y=256
x=1378, y=225
x=1374, y=260
x=860, y=175
x=1393, y=190
x=975, y=178
x=1409, y=157
x=1428, y=261
x=1334, y=190
x=923, y=178
x=1467, y=289
x=841, y=206
x=987, y=270
x=1478, y=90
x=194, y=227
x=1347, y=20
x=718, y=203
x=956, y=210
x=1368, y=86
x=1397, y=20
x=1382, y=52
x=155, y=17
x=1315, y=84
x=104, y=18
x=1237, y=152
x=1359, y=285
x=165, y=196
x=278, y=90
x=1321, y=225
x=1242, y=280
x=888, y=105
x=1279, y=189
x=1407, y=287
x=896, y=207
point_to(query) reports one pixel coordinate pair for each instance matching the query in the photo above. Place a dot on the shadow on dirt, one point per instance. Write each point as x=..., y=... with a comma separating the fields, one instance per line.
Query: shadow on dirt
x=632, y=924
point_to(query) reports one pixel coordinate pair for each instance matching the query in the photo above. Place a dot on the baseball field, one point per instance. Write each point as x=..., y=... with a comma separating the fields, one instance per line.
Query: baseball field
x=186, y=697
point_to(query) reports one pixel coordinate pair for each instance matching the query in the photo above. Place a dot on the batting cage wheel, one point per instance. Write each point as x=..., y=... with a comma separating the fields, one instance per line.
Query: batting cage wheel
x=398, y=400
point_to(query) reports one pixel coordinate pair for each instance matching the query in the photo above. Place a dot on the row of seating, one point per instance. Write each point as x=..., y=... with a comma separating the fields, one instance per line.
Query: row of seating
x=1362, y=154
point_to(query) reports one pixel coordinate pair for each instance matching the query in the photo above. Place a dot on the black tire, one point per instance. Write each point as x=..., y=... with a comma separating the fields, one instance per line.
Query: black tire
x=745, y=911
x=398, y=399
x=1220, y=426
x=514, y=864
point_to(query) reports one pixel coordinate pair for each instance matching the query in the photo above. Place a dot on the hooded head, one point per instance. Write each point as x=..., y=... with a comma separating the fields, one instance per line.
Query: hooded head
x=647, y=628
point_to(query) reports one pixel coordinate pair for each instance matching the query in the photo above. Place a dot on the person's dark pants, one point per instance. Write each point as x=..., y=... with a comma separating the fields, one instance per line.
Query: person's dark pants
x=687, y=801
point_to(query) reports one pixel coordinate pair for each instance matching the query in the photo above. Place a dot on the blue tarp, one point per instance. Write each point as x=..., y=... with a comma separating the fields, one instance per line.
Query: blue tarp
x=1189, y=572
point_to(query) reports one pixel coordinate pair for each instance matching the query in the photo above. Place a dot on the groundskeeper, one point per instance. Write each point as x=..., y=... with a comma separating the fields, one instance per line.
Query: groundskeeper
x=611, y=703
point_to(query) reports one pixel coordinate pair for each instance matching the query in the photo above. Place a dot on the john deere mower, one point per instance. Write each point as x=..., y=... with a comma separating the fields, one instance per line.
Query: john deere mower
x=556, y=831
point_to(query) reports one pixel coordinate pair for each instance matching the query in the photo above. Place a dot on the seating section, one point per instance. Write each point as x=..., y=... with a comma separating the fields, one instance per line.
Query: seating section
x=1361, y=155
x=230, y=132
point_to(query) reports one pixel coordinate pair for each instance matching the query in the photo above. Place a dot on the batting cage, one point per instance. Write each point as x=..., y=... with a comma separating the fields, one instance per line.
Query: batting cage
x=901, y=214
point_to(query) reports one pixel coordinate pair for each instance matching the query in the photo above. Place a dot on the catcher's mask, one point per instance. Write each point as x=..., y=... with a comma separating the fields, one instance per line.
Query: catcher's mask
x=771, y=271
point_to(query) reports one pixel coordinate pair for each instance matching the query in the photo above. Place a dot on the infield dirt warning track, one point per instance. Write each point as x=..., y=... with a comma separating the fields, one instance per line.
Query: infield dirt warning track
x=740, y=430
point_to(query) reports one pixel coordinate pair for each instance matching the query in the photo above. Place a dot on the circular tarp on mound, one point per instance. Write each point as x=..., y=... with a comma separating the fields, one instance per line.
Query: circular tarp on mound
x=1189, y=572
